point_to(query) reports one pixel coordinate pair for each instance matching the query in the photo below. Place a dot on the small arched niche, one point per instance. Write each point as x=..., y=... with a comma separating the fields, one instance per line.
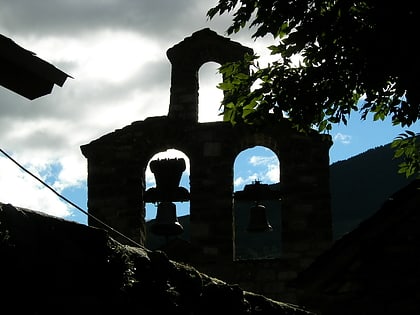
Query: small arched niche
x=256, y=165
x=182, y=207
x=210, y=97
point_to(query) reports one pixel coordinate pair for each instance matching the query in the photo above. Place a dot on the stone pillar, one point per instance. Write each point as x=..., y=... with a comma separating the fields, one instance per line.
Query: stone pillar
x=115, y=188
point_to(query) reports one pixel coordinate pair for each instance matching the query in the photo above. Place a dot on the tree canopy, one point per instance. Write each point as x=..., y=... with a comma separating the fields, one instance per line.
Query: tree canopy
x=353, y=56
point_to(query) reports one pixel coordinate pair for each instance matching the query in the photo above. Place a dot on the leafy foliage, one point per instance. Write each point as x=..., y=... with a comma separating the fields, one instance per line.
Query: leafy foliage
x=348, y=51
x=407, y=147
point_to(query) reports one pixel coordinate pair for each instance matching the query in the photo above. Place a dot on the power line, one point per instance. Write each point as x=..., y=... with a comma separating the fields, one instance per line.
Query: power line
x=69, y=201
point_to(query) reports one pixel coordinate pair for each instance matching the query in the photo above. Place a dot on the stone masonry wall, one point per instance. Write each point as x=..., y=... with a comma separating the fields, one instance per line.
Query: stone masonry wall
x=116, y=177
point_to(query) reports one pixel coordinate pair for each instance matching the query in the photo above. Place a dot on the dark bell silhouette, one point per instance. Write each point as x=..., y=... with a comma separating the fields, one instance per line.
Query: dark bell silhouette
x=257, y=214
x=168, y=174
x=166, y=222
x=258, y=219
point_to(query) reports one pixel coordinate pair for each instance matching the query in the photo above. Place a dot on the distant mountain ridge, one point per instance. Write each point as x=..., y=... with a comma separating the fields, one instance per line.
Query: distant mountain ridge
x=361, y=184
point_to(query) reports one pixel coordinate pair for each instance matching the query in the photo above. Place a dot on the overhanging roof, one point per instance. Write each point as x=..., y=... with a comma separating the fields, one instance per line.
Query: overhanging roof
x=22, y=72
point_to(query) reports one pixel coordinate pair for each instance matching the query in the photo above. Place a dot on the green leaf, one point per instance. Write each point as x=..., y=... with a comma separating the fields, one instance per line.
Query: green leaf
x=225, y=86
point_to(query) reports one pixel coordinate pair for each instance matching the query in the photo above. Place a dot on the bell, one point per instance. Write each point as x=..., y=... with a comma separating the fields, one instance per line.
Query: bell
x=166, y=222
x=168, y=173
x=258, y=220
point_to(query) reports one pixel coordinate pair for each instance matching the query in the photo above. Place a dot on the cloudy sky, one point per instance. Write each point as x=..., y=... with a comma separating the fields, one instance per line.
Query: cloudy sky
x=115, y=50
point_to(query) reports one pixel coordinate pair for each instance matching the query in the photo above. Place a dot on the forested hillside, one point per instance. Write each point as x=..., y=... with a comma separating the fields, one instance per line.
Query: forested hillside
x=359, y=186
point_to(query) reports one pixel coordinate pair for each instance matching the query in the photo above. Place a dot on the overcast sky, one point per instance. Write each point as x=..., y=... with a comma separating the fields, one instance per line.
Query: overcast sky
x=116, y=52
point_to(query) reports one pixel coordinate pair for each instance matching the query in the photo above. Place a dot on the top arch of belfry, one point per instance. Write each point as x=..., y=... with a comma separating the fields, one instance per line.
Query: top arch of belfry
x=186, y=58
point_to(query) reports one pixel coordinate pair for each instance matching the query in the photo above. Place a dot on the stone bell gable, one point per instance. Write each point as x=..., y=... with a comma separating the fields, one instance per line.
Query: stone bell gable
x=117, y=163
x=186, y=58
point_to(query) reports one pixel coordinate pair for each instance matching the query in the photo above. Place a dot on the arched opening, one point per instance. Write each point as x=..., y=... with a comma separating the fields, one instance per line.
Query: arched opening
x=209, y=96
x=153, y=240
x=256, y=166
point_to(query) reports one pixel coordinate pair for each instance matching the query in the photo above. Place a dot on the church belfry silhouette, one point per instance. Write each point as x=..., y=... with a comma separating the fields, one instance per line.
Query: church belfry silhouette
x=116, y=177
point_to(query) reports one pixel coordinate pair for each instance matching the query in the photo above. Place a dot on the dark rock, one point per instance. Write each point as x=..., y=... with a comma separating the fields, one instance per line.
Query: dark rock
x=53, y=266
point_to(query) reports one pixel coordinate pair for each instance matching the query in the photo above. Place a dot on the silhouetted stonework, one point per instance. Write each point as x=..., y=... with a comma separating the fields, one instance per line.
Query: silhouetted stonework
x=52, y=266
x=117, y=163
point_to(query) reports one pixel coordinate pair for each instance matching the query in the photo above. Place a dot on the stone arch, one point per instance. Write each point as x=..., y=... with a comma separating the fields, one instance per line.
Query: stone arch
x=264, y=244
x=266, y=139
x=210, y=97
x=186, y=59
x=168, y=153
x=256, y=149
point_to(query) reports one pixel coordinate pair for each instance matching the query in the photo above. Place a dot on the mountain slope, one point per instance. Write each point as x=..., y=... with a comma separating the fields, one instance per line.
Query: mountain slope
x=359, y=186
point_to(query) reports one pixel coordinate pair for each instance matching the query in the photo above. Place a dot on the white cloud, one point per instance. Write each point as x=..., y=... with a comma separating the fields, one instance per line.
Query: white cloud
x=273, y=172
x=22, y=190
x=262, y=160
x=210, y=97
x=71, y=174
x=116, y=52
x=239, y=182
x=342, y=138
x=112, y=56
x=269, y=165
